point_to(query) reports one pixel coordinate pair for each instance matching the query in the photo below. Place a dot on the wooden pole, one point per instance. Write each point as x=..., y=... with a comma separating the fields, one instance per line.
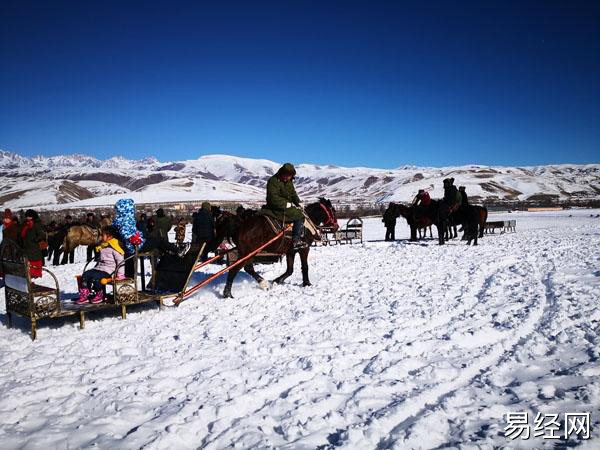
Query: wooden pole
x=193, y=289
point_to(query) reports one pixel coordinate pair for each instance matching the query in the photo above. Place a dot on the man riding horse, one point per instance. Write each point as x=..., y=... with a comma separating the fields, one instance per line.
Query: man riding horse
x=283, y=202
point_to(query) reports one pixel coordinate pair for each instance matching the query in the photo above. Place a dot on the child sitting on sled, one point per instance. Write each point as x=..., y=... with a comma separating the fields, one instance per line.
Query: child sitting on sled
x=110, y=256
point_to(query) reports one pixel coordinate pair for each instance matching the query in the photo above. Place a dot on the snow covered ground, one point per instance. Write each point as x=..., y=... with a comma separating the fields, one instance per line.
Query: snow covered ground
x=395, y=345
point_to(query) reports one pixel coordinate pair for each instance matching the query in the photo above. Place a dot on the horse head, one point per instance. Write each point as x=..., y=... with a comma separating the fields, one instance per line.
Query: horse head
x=323, y=213
x=402, y=210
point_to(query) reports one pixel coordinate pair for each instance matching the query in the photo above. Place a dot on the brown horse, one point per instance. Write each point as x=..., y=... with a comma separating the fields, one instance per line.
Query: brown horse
x=254, y=231
x=83, y=235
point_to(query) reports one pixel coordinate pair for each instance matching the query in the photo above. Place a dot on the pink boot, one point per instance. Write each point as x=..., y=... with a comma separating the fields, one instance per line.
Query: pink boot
x=98, y=298
x=83, y=296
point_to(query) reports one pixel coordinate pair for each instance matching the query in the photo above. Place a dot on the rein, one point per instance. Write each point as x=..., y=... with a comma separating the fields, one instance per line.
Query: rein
x=330, y=217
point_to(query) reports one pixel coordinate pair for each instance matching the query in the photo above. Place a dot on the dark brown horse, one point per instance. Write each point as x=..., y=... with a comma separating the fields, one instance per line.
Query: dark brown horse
x=254, y=230
x=417, y=218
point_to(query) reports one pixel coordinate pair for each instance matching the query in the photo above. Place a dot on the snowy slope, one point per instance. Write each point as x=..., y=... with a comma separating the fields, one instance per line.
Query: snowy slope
x=222, y=177
x=423, y=347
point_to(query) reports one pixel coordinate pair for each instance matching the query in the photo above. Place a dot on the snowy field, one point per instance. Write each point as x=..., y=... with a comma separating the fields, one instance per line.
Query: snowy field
x=395, y=345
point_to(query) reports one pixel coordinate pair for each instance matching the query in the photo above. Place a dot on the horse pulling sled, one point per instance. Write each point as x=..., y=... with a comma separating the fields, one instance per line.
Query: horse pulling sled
x=275, y=242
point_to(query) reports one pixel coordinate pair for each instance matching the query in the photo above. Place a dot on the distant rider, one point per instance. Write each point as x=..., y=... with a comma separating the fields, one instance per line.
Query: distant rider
x=422, y=198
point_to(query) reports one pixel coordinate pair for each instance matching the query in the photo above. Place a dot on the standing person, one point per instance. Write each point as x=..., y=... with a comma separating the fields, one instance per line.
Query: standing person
x=463, y=194
x=204, y=228
x=91, y=221
x=33, y=241
x=10, y=227
x=284, y=202
x=68, y=257
x=142, y=224
x=51, y=233
x=163, y=224
x=389, y=220
x=110, y=260
x=180, y=231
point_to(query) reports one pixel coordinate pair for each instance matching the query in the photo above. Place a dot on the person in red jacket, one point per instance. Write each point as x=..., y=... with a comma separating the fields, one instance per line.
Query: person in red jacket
x=422, y=198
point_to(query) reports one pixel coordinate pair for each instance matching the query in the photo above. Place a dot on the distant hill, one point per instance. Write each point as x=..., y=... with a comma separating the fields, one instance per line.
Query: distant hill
x=76, y=180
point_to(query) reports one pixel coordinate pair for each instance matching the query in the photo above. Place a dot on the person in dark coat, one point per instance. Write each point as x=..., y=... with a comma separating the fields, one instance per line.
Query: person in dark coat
x=463, y=194
x=163, y=225
x=142, y=224
x=203, y=227
x=11, y=227
x=389, y=220
x=452, y=198
x=68, y=257
x=51, y=229
x=33, y=241
x=283, y=201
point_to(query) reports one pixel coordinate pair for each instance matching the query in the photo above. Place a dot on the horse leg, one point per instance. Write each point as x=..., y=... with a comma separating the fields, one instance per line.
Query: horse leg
x=289, y=259
x=249, y=268
x=304, y=261
x=230, y=277
x=413, y=233
x=441, y=227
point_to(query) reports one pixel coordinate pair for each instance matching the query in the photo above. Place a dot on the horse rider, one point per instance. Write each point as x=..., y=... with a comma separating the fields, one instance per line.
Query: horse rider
x=283, y=200
x=452, y=197
x=422, y=198
x=463, y=194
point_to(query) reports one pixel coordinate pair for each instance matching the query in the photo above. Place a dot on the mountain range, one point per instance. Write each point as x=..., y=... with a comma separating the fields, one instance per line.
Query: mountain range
x=78, y=181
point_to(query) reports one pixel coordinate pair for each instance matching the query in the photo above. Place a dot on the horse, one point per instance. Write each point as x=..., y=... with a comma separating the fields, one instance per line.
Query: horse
x=482, y=214
x=469, y=216
x=417, y=218
x=83, y=235
x=254, y=231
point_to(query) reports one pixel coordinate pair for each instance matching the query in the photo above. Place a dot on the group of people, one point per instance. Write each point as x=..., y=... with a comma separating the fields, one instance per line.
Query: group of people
x=453, y=199
x=118, y=240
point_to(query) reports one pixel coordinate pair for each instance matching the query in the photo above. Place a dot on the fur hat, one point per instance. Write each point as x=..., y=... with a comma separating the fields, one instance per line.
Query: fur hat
x=461, y=188
x=31, y=213
x=160, y=212
x=8, y=214
x=206, y=206
x=287, y=169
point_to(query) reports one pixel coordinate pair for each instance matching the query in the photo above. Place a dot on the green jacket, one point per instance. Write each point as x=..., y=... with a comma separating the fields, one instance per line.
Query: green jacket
x=30, y=243
x=279, y=194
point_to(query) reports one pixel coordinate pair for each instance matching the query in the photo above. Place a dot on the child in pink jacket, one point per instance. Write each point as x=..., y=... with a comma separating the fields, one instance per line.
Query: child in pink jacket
x=110, y=256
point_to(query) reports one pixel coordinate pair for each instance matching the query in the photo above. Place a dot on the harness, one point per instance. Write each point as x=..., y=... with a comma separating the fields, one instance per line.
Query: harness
x=330, y=217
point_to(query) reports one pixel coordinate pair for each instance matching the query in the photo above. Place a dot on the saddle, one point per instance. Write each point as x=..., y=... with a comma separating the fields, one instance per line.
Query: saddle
x=278, y=226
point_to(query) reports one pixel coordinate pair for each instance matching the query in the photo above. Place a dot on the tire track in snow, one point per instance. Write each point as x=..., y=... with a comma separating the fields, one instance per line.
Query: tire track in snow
x=400, y=413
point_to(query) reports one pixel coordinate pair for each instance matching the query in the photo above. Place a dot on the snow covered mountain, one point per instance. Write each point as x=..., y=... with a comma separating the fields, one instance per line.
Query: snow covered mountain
x=78, y=180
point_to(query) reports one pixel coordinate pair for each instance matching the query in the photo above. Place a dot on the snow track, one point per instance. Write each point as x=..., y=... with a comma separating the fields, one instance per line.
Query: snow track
x=395, y=345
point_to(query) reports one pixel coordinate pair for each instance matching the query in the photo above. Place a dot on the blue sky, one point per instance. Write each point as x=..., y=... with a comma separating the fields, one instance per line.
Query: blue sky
x=378, y=84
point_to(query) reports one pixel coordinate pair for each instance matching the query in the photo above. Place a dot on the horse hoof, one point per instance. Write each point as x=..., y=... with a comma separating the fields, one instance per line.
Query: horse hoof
x=306, y=284
x=227, y=295
x=264, y=285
